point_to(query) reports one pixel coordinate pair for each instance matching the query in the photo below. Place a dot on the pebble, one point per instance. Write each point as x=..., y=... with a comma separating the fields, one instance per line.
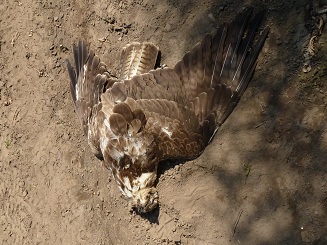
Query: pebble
x=167, y=27
x=221, y=8
x=176, y=237
x=25, y=192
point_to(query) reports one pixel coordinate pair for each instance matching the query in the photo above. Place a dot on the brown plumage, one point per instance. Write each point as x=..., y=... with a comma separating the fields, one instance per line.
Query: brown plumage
x=145, y=116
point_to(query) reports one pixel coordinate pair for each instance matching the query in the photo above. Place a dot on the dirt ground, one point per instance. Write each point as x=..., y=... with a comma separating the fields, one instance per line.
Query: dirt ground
x=263, y=180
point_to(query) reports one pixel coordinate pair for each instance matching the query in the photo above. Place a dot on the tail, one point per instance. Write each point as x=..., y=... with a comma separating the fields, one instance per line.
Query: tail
x=137, y=58
x=217, y=71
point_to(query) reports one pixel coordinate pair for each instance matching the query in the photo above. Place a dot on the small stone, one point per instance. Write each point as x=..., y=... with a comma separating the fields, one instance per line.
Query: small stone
x=25, y=192
x=176, y=237
x=167, y=27
x=56, y=18
x=306, y=68
x=7, y=102
x=211, y=17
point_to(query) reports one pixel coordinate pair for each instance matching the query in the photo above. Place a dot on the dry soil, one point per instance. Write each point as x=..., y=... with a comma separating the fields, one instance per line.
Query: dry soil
x=263, y=180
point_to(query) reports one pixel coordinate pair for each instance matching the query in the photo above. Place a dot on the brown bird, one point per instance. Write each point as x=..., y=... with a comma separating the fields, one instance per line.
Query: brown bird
x=144, y=116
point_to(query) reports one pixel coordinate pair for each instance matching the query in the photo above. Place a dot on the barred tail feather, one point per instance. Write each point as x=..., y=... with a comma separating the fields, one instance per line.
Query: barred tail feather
x=137, y=58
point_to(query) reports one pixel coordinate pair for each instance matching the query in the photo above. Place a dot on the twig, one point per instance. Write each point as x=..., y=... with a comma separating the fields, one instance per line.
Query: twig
x=247, y=169
x=237, y=221
x=259, y=125
x=321, y=25
x=14, y=119
x=14, y=38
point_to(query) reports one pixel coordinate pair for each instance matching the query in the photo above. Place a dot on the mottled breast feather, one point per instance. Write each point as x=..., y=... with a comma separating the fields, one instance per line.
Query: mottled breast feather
x=143, y=116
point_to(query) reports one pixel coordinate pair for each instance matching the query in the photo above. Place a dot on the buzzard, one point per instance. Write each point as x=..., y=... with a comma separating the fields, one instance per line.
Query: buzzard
x=143, y=116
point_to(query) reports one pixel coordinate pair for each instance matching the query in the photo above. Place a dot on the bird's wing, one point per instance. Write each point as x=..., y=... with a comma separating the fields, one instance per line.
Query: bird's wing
x=156, y=84
x=160, y=96
x=185, y=106
x=216, y=72
x=174, y=128
x=90, y=80
x=87, y=82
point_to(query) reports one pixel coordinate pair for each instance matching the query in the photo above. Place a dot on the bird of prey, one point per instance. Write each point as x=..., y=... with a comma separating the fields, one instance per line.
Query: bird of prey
x=143, y=116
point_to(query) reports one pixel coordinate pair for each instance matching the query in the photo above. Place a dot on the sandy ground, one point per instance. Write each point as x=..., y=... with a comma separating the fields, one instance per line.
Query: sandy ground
x=263, y=180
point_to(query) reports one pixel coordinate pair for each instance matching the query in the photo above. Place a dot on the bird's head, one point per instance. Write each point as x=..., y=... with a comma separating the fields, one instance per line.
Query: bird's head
x=145, y=200
x=138, y=175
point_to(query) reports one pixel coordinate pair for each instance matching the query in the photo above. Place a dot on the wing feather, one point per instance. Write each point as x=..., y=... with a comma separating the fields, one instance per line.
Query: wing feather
x=157, y=84
x=88, y=81
x=216, y=72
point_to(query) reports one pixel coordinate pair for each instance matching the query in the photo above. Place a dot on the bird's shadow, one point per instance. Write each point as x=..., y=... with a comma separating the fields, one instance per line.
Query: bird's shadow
x=152, y=216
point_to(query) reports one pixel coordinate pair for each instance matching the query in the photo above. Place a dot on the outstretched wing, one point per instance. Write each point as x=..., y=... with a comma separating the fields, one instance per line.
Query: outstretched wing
x=87, y=84
x=217, y=71
x=185, y=106
x=159, y=95
x=91, y=79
